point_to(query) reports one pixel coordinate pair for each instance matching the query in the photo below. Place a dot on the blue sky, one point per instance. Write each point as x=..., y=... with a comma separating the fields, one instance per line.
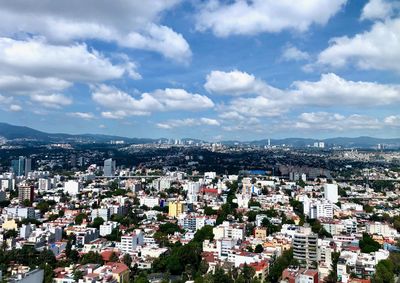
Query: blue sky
x=215, y=70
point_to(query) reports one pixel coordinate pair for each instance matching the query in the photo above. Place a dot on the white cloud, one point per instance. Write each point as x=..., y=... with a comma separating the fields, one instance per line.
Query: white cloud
x=393, y=120
x=52, y=101
x=333, y=90
x=36, y=58
x=330, y=91
x=82, y=115
x=257, y=16
x=15, y=108
x=236, y=83
x=376, y=49
x=129, y=23
x=190, y=122
x=292, y=53
x=24, y=85
x=336, y=122
x=377, y=9
x=122, y=104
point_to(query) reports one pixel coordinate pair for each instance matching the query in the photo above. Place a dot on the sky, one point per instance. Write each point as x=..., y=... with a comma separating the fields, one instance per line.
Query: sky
x=211, y=69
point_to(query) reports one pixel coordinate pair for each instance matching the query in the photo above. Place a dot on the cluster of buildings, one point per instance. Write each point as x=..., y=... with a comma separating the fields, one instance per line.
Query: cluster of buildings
x=254, y=221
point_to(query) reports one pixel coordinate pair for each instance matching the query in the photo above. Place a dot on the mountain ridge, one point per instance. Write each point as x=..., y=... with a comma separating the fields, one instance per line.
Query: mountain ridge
x=13, y=132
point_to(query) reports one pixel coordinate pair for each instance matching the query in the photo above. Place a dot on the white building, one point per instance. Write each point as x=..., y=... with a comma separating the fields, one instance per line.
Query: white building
x=72, y=187
x=331, y=192
x=107, y=227
x=129, y=243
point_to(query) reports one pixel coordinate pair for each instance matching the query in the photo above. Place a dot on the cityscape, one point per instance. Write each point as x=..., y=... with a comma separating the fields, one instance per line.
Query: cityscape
x=180, y=141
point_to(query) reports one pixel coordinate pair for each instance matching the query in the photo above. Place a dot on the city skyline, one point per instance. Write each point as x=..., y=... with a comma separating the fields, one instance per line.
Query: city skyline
x=213, y=71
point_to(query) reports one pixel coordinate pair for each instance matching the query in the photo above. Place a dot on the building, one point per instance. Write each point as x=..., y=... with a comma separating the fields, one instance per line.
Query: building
x=300, y=275
x=109, y=167
x=72, y=187
x=260, y=233
x=130, y=242
x=102, y=213
x=21, y=166
x=175, y=208
x=44, y=184
x=26, y=193
x=331, y=192
x=305, y=244
x=229, y=231
x=107, y=227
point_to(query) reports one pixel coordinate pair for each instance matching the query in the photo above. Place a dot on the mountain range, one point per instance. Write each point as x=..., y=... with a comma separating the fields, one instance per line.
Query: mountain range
x=21, y=133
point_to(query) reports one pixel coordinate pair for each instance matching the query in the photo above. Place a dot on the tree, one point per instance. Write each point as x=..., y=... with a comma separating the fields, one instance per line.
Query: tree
x=114, y=257
x=368, y=245
x=384, y=272
x=247, y=273
x=259, y=249
x=205, y=233
x=279, y=265
x=79, y=218
x=92, y=257
x=97, y=222
x=127, y=260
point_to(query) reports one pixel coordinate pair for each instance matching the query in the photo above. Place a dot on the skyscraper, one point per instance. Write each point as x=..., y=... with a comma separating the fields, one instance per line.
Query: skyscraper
x=21, y=166
x=109, y=167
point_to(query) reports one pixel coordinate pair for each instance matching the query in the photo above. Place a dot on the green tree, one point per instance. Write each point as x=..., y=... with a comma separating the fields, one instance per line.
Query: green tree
x=205, y=233
x=92, y=257
x=368, y=245
x=259, y=249
x=97, y=222
x=384, y=272
x=127, y=260
x=79, y=218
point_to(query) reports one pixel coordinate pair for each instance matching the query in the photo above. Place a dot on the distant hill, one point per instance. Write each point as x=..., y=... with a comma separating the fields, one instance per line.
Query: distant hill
x=12, y=132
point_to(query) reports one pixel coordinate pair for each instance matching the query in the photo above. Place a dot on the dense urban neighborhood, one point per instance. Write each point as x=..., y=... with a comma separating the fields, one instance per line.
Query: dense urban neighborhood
x=100, y=214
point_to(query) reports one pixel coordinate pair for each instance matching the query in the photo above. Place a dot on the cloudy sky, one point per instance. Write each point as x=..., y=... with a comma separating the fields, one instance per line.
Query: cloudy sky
x=209, y=69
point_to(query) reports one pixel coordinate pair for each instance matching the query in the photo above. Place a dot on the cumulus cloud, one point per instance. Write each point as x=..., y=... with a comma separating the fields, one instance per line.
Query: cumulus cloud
x=36, y=68
x=330, y=91
x=377, y=9
x=120, y=104
x=257, y=16
x=129, y=23
x=15, y=108
x=52, y=101
x=236, y=83
x=81, y=115
x=393, y=120
x=376, y=49
x=190, y=122
x=292, y=53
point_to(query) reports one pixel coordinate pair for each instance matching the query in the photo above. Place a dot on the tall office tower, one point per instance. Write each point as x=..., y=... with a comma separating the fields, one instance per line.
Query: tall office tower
x=109, y=167
x=331, y=192
x=26, y=192
x=305, y=244
x=73, y=160
x=28, y=166
x=21, y=166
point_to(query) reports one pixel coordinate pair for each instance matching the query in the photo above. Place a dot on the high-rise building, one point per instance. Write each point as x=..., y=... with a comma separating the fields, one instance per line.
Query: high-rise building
x=331, y=192
x=305, y=244
x=109, y=167
x=21, y=166
x=26, y=192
